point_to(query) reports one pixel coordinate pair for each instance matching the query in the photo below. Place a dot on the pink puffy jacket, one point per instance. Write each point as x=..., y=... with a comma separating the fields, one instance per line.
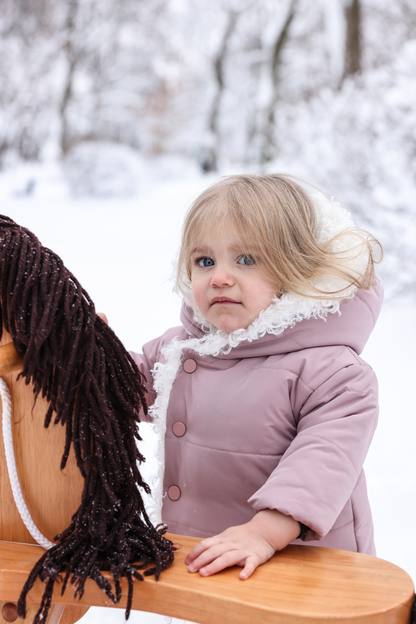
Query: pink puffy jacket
x=283, y=422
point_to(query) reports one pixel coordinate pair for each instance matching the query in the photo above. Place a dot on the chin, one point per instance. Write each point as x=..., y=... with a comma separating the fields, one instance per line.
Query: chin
x=231, y=326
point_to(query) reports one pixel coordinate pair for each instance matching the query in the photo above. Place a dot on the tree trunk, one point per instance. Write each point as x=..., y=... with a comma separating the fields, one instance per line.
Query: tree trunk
x=211, y=157
x=70, y=26
x=353, y=44
x=269, y=146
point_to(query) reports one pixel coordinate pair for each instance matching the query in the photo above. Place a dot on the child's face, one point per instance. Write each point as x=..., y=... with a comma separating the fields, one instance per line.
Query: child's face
x=228, y=287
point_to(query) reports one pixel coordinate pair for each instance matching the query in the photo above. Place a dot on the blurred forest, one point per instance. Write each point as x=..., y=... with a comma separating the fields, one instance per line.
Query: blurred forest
x=324, y=89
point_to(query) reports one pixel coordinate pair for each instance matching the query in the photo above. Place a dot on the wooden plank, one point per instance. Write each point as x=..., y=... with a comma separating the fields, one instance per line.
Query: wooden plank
x=10, y=360
x=63, y=614
x=297, y=586
x=52, y=495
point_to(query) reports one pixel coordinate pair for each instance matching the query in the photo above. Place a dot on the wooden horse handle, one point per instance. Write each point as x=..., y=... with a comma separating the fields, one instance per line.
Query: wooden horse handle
x=299, y=585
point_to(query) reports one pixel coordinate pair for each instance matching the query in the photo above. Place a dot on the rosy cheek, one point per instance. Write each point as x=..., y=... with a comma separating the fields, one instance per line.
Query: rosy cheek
x=196, y=293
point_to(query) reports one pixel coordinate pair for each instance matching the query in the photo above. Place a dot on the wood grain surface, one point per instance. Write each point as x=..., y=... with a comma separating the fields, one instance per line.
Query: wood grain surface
x=301, y=584
x=51, y=494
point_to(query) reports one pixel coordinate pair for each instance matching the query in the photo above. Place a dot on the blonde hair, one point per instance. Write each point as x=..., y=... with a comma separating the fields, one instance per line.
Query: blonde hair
x=277, y=216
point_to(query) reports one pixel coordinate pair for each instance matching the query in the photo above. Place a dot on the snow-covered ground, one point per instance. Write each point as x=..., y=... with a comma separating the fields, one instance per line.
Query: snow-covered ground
x=121, y=250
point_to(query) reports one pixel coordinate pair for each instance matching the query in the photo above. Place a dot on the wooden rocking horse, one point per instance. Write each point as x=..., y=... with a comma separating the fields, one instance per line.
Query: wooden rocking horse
x=102, y=553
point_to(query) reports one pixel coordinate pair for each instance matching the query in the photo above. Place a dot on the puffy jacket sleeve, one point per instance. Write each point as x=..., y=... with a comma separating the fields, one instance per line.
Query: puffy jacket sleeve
x=320, y=468
x=152, y=353
x=145, y=367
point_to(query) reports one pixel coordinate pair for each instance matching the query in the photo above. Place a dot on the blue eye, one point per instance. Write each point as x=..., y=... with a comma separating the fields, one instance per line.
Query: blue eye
x=205, y=262
x=246, y=260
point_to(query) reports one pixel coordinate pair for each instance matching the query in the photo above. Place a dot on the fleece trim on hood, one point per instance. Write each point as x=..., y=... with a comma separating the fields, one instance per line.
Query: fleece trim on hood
x=332, y=329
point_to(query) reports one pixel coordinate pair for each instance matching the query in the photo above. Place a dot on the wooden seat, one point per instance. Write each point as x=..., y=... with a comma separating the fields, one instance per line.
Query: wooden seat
x=300, y=585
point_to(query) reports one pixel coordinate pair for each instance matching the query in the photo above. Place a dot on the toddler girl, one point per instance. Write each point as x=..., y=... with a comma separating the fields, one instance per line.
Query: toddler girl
x=264, y=408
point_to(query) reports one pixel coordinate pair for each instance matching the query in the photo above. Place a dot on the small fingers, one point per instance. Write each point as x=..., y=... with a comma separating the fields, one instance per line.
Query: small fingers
x=250, y=565
x=221, y=556
x=103, y=317
x=198, y=549
x=208, y=555
x=235, y=546
x=226, y=560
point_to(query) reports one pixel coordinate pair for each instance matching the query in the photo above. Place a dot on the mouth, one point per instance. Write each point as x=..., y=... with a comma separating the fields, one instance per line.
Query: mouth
x=223, y=301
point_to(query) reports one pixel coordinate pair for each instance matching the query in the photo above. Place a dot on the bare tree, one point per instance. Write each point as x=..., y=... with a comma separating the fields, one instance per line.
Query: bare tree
x=353, y=43
x=269, y=145
x=71, y=57
x=25, y=59
x=211, y=157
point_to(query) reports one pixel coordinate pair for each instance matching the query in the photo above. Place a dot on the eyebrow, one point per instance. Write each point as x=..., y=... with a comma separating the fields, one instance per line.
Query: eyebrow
x=200, y=250
x=235, y=248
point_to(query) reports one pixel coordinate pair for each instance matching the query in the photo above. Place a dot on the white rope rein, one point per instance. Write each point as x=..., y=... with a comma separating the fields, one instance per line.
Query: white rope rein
x=12, y=470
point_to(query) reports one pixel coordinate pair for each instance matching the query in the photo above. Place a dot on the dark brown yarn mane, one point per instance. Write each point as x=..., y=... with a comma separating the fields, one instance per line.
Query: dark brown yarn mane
x=94, y=390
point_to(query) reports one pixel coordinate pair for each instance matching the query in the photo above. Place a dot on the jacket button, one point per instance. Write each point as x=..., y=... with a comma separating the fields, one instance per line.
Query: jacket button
x=179, y=429
x=174, y=493
x=189, y=366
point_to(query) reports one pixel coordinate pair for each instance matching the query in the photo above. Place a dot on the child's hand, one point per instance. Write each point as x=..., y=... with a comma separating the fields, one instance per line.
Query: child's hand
x=247, y=545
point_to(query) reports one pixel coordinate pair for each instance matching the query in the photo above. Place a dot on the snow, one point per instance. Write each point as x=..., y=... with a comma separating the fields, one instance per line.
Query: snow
x=121, y=250
x=391, y=462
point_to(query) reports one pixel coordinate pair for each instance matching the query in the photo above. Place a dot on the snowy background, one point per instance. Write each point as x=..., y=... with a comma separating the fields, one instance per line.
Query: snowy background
x=115, y=116
x=122, y=250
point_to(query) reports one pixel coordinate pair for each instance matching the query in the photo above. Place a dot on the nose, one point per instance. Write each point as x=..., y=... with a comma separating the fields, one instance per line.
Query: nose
x=221, y=277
